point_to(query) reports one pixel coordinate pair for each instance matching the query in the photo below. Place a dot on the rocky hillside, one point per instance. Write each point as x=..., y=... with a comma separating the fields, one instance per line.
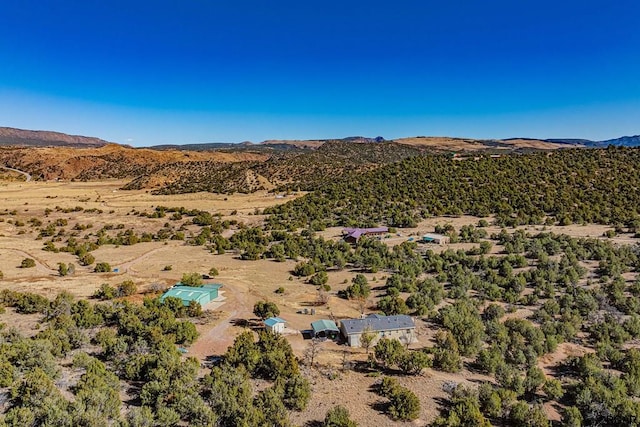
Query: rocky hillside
x=302, y=169
x=109, y=161
x=40, y=138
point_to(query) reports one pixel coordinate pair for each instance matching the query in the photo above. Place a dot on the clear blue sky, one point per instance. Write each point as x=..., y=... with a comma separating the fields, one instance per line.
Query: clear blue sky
x=189, y=71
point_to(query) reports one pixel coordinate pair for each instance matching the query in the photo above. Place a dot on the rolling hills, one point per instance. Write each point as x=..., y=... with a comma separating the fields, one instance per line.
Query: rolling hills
x=246, y=167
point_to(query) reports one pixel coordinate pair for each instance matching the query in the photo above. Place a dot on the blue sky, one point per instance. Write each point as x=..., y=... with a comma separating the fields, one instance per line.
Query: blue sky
x=145, y=73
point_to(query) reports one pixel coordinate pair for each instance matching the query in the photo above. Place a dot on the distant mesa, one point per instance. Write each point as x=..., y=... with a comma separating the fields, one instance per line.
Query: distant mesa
x=41, y=138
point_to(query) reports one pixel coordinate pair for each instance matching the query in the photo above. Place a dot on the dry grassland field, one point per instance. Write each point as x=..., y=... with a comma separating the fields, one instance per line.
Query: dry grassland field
x=244, y=282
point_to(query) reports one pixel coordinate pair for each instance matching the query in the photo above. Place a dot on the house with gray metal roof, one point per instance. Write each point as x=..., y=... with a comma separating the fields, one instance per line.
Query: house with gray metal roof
x=401, y=327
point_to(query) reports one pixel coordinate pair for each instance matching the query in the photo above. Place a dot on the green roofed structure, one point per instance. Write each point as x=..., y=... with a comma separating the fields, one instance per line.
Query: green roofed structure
x=325, y=329
x=201, y=295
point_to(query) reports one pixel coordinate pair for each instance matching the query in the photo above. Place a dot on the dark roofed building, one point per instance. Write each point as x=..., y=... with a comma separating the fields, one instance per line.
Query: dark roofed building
x=401, y=327
x=352, y=235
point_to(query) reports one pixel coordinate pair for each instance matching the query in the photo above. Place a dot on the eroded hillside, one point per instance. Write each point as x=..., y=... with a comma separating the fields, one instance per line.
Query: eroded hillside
x=274, y=165
x=110, y=161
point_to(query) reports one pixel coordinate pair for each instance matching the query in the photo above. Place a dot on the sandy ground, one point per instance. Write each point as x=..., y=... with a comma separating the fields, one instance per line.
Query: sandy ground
x=244, y=282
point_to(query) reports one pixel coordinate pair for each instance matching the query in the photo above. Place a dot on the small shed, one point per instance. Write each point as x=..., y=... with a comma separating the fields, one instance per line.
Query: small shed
x=275, y=325
x=325, y=329
x=201, y=295
x=438, y=239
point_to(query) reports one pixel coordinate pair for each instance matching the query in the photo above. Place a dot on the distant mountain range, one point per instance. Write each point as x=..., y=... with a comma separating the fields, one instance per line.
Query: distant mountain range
x=20, y=137
x=625, y=141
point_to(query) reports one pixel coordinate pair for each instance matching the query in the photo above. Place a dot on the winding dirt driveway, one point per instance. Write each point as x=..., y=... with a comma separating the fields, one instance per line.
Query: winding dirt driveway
x=27, y=175
x=216, y=340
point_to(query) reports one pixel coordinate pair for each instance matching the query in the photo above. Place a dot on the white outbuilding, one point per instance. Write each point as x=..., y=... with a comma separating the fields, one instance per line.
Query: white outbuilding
x=275, y=325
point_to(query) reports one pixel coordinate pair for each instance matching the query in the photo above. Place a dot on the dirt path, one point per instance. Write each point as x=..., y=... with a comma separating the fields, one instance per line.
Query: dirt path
x=127, y=265
x=216, y=340
x=41, y=266
x=27, y=176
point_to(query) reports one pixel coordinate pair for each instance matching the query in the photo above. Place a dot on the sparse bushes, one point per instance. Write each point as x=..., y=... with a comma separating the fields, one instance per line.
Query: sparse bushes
x=66, y=269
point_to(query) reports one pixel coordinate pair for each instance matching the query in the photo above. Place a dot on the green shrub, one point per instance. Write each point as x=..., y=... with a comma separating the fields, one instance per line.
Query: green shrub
x=404, y=405
x=28, y=263
x=87, y=259
x=105, y=292
x=319, y=278
x=191, y=279
x=265, y=309
x=102, y=267
x=194, y=309
x=338, y=416
x=388, y=386
x=296, y=392
x=127, y=288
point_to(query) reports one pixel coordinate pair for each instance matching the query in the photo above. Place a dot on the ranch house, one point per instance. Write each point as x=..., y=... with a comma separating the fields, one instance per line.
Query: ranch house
x=401, y=327
x=352, y=235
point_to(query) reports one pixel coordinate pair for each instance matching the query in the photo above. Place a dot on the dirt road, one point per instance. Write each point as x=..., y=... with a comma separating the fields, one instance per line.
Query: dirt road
x=27, y=176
